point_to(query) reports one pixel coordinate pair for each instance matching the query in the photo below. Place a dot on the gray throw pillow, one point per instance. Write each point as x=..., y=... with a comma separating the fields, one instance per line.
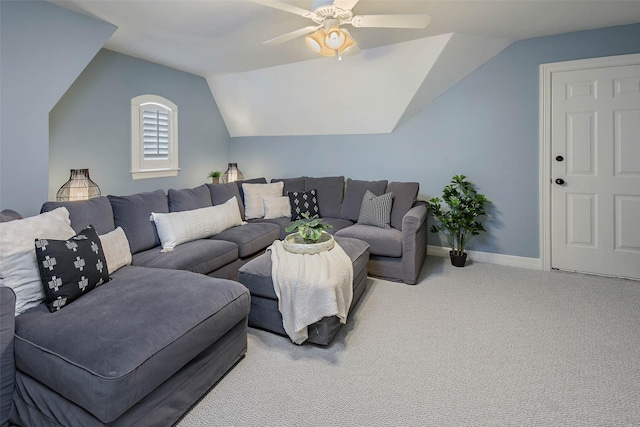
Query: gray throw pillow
x=376, y=210
x=354, y=194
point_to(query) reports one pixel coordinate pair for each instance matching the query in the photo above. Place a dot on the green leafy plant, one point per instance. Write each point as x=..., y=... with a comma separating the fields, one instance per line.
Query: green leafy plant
x=459, y=222
x=309, y=228
x=215, y=176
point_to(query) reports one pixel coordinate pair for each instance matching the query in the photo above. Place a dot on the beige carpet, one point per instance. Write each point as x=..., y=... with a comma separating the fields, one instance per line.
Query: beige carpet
x=479, y=346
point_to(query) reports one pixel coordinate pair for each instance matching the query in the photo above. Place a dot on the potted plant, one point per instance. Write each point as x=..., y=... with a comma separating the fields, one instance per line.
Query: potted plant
x=215, y=177
x=459, y=221
x=309, y=228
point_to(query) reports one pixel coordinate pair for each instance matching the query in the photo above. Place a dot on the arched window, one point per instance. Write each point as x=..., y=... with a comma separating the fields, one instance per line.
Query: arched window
x=154, y=137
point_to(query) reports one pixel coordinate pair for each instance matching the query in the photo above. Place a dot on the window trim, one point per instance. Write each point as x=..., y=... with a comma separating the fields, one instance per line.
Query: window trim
x=139, y=165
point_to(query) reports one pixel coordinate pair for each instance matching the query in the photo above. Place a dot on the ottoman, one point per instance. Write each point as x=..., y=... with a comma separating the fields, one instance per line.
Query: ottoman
x=264, y=313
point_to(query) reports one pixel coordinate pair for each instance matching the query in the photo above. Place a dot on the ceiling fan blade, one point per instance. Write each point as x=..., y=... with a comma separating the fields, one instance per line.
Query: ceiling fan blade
x=286, y=7
x=391, y=21
x=293, y=34
x=345, y=4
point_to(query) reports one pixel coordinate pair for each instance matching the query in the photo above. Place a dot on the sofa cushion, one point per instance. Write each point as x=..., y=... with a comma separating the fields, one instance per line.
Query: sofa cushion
x=382, y=241
x=405, y=195
x=251, y=238
x=175, y=228
x=277, y=207
x=189, y=198
x=70, y=268
x=159, y=320
x=304, y=202
x=354, y=194
x=132, y=213
x=220, y=193
x=291, y=184
x=376, y=210
x=254, y=195
x=200, y=256
x=18, y=264
x=96, y=211
x=116, y=249
x=330, y=191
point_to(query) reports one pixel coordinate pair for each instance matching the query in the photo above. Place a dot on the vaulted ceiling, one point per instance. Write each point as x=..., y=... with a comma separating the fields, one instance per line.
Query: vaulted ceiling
x=286, y=89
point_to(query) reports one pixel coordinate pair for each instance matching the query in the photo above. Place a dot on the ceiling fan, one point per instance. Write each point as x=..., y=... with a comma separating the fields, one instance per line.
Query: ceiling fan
x=329, y=38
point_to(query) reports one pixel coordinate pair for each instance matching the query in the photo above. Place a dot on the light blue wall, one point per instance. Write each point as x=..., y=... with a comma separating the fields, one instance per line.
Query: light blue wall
x=91, y=125
x=485, y=127
x=44, y=48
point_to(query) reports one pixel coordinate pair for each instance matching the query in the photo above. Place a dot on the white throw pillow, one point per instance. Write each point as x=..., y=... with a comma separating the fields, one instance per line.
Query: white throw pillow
x=180, y=227
x=277, y=207
x=18, y=264
x=117, y=252
x=254, y=195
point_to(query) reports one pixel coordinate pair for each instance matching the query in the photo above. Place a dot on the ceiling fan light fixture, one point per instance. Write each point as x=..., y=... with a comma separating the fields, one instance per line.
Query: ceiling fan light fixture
x=335, y=38
x=313, y=44
x=331, y=42
x=316, y=42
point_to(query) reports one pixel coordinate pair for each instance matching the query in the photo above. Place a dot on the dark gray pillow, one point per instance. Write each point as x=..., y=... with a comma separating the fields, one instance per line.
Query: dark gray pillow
x=291, y=184
x=70, y=268
x=329, y=191
x=189, y=198
x=96, y=211
x=354, y=194
x=133, y=214
x=376, y=210
x=405, y=195
x=221, y=193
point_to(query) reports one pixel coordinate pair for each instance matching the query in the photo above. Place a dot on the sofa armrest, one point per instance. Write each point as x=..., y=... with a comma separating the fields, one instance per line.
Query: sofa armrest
x=414, y=242
x=7, y=360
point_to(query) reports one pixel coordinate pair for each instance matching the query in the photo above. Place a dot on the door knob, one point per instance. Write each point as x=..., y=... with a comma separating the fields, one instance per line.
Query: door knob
x=560, y=181
x=559, y=158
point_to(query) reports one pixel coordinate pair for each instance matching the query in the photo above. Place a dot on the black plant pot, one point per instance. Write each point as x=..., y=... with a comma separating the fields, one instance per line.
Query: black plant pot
x=458, y=260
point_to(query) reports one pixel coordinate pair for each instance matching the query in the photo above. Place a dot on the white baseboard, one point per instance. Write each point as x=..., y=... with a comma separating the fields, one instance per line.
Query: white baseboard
x=491, y=258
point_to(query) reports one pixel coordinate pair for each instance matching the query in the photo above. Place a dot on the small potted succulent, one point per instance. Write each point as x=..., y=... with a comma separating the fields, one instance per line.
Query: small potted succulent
x=215, y=177
x=459, y=221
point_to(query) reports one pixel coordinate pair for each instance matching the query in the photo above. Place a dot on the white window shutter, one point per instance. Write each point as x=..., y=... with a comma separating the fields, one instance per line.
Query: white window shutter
x=154, y=137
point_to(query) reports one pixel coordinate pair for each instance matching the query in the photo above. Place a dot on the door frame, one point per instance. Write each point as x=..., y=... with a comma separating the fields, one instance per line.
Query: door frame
x=544, y=134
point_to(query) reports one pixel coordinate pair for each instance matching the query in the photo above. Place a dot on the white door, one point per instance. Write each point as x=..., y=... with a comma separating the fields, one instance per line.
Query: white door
x=595, y=168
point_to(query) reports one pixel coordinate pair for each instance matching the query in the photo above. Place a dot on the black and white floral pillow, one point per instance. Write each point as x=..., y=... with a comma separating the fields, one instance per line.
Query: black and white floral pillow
x=303, y=202
x=70, y=268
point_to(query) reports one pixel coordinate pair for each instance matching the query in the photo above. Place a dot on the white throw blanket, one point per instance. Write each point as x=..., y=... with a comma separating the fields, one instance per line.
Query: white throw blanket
x=310, y=287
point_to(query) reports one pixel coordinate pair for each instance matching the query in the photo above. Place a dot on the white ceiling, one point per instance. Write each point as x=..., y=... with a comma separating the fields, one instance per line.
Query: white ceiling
x=286, y=89
x=212, y=37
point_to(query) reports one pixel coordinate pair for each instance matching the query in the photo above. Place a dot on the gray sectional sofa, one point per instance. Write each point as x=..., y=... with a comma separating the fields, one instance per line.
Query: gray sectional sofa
x=144, y=347
x=396, y=253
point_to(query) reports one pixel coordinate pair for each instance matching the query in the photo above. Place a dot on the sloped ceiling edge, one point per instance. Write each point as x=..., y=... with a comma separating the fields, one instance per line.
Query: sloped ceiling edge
x=463, y=55
x=362, y=94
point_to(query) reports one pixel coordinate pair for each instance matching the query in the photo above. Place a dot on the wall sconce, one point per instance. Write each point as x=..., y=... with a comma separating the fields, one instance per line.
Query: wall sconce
x=79, y=187
x=232, y=174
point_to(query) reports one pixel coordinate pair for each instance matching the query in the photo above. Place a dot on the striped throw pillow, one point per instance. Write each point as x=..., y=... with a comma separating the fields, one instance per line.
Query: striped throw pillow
x=376, y=210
